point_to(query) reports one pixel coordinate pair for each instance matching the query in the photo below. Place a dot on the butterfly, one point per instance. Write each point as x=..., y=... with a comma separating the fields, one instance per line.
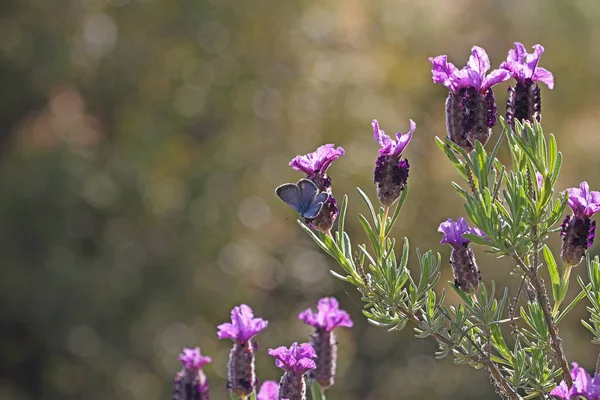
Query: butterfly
x=304, y=197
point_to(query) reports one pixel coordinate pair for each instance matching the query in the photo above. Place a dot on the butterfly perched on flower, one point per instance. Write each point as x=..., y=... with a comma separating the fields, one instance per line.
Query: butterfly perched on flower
x=304, y=197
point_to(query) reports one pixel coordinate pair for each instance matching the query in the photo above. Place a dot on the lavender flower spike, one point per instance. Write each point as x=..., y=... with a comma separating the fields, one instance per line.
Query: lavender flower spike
x=582, y=385
x=524, y=100
x=269, y=390
x=296, y=361
x=315, y=165
x=391, y=172
x=191, y=383
x=462, y=259
x=328, y=317
x=470, y=106
x=578, y=231
x=243, y=327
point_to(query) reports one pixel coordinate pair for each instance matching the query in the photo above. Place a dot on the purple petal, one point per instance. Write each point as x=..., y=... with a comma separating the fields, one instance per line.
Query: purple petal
x=243, y=325
x=227, y=331
x=583, y=202
x=384, y=140
x=268, y=391
x=403, y=140
x=465, y=78
x=544, y=76
x=295, y=359
x=561, y=391
x=328, y=317
x=442, y=71
x=523, y=65
x=453, y=232
x=193, y=358
x=391, y=147
x=304, y=365
x=479, y=63
x=581, y=380
x=318, y=161
x=495, y=77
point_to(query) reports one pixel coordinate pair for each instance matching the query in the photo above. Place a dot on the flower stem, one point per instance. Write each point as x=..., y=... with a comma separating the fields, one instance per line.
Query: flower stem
x=382, y=227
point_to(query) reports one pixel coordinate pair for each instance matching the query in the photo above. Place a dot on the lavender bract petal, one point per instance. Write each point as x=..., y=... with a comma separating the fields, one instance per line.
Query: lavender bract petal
x=243, y=326
x=317, y=162
x=524, y=66
x=193, y=358
x=296, y=359
x=544, y=76
x=495, y=77
x=442, y=71
x=328, y=317
x=268, y=391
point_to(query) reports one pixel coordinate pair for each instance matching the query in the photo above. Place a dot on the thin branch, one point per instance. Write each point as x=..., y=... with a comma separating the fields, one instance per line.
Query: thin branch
x=540, y=290
x=483, y=359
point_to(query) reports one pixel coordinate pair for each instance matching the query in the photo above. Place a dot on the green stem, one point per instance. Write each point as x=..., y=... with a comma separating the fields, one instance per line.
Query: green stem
x=382, y=225
x=316, y=391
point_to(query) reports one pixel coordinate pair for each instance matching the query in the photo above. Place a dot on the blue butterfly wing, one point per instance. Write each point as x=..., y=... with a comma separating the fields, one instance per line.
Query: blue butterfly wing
x=290, y=194
x=308, y=190
x=315, y=206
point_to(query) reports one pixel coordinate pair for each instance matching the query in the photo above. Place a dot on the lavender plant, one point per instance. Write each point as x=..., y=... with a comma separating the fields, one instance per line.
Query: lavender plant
x=513, y=208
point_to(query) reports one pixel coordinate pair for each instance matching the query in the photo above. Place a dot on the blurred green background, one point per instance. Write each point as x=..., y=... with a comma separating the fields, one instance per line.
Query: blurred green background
x=141, y=141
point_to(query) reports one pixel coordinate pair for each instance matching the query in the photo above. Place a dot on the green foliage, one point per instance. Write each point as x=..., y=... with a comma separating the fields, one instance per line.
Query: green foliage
x=517, y=209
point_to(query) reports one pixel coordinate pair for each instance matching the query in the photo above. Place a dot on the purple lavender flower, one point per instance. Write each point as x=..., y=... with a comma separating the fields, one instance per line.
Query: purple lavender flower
x=391, y=172
x=315, y=165
x=578, y=231
x=462, y=259
x=524, y=100
x=582, y=385
x=296, y=361
x=325, y=320
x=269, y=390
x=243, y=327
x=190, y=383
x=470, y=106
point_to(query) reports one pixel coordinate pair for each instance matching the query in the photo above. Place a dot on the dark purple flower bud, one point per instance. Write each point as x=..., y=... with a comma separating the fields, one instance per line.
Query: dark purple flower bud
x=296, y=361
x=328, y=317
x=391, y=171
x=583, y=385
x=269, y=390
x=327, y=216
x=470, y=106
x=524, y=100
x=191, y=383
x=578, y=231
x=315, y=164
x=243, y=327
x=462, y=259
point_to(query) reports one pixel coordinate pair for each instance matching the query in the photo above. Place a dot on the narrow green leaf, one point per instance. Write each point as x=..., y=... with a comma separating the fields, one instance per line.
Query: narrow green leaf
x=568, y=308
x=399, y=205
x=338, y=276
x=316, y=391
x=342, y=222
x=468, y=301
x=370, y=233
x=553, y=271
x=369, y=205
